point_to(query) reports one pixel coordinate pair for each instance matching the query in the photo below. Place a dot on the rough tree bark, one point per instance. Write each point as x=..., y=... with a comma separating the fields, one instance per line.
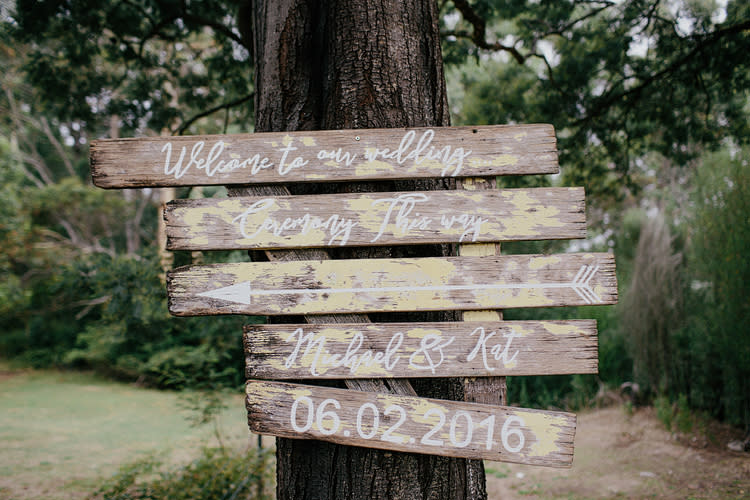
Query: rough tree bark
x=343, y=65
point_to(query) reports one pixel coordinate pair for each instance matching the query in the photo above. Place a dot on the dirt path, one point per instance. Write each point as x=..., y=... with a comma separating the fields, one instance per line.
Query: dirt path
x=622, y=456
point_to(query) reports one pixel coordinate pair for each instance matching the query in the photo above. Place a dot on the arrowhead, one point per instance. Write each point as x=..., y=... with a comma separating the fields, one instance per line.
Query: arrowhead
x=239, y=293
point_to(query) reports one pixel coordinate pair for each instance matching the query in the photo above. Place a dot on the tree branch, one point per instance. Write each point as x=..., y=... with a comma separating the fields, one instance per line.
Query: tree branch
x=703, y=42
x=58, y=147
x=203, y=114
x=479, y=35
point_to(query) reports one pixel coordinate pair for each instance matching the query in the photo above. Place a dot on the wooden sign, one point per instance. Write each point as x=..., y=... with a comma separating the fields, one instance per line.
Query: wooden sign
x=422, y=284
x=411, y=424
x=340, y=351
x=324, y=156
x=376, y=219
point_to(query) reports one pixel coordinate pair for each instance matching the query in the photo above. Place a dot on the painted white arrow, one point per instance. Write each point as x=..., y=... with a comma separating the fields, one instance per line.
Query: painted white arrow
x=243, y=293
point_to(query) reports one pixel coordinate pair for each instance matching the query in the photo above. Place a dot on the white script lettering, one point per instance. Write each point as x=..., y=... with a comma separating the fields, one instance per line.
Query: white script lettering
x=431, y=343
x=498, y=351
x=209, y=163
x=323, y=359
x=451, y=158
x=405, y=204
x=335, y=225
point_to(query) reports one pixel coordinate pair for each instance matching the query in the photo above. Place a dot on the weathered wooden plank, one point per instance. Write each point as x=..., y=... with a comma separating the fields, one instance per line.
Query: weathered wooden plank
x=376, y=219
x=472, y=349
x=422, y=284
x=411, y=424
x=324, y=156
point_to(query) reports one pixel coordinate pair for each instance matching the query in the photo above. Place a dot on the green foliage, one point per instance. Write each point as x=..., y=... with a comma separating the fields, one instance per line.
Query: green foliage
x=720, y=239
x=617, y=79
x=664, y=411
x=15, y=233
x=684, y=417
x=216, y=474
x=153, y=64
x=110, y=314
x=677, y=416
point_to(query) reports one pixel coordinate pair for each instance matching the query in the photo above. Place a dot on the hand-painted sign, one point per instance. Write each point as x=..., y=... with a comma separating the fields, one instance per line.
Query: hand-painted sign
x=477, y=282
x=376, y=219
x=426, y=284
x=411, y=424
x=324, y=156
x=478, y=349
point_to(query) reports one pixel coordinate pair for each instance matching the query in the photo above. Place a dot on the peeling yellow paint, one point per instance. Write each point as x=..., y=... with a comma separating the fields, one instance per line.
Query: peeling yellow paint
x=542, y=262
x=546, y=428
x=309, y=141
x=371, y=168
x=502, y=160
x=561, y=328
x=420, y=333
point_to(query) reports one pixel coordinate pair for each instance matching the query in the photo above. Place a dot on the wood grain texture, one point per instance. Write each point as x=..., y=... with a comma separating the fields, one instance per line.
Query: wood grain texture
x=390, y=285
x=381, y=219
x=476, y=349
x=324, y=156
x=395, y=386
x=411, y=424
x=487, y=390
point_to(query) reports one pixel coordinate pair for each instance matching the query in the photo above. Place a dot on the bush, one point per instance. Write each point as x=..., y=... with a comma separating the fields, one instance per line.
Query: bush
x=110, y=314
x=216, y=474
x=719, y=322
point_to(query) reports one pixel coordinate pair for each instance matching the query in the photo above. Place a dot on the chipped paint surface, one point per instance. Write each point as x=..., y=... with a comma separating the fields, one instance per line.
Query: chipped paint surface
x=448, y=283
x=375, y=219
x=430, y=350
x=339, y=155
x=546, y=428
x=406, y=423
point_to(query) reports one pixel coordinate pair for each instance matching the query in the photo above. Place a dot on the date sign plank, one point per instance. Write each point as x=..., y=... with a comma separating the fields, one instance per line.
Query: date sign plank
x=389, y=285
x=411, y=424
x=501, y=348
x=376, y=219
x=324, y=156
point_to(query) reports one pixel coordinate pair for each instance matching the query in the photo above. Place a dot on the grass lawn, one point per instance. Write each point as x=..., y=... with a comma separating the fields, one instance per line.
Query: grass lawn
x=61, y=433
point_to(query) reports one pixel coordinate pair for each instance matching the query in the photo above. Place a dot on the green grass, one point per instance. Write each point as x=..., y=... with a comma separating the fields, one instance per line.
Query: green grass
x=60, y=433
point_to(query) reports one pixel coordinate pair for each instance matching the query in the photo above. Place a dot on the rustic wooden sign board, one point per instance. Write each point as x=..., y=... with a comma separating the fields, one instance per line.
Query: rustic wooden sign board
x=324, y=156
x=477, y=349
x=371, y=285
x=411, y=424
x=376, y=219
x=482, y=347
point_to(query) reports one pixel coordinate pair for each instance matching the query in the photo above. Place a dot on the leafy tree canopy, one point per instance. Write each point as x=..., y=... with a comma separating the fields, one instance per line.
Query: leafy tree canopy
x=616, y=78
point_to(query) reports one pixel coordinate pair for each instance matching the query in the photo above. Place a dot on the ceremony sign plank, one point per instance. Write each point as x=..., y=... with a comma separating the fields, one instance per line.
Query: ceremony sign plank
x=411, y=424
x=335, y=351
x=376, y=219
x=324, y=156
x=420, y=284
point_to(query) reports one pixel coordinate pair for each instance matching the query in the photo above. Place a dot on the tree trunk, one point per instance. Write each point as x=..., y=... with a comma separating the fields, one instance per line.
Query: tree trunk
x=358, y=64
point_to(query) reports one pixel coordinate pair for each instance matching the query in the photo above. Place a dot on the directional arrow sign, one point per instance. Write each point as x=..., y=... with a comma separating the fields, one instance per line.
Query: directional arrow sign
x=426, y=284
x=411, y=424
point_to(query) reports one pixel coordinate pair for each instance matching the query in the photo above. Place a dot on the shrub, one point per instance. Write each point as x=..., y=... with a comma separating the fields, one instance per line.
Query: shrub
x=217, y=474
